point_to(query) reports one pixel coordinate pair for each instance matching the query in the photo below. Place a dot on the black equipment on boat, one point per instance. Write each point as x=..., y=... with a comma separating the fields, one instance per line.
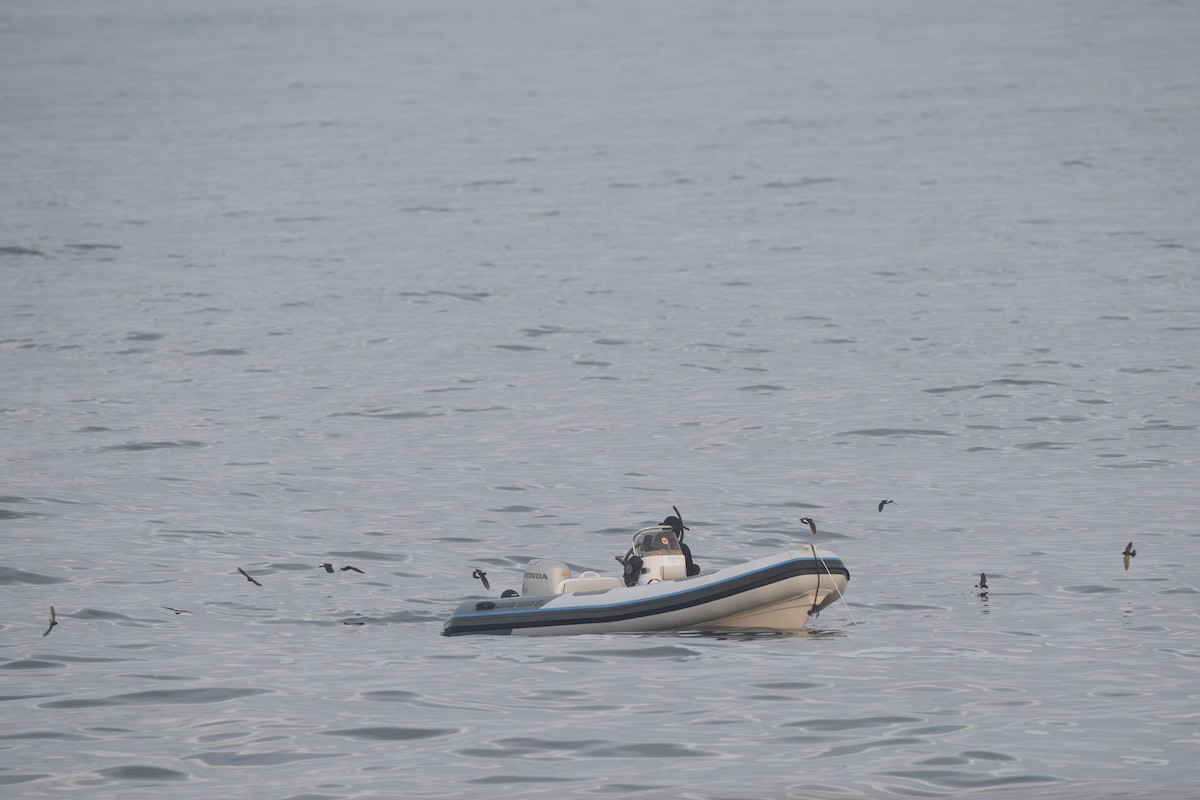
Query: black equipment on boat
x=676, y=524
x=664, y=539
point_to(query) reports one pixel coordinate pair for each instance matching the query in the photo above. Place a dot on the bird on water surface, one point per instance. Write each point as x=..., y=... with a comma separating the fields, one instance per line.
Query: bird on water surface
x=982, y=585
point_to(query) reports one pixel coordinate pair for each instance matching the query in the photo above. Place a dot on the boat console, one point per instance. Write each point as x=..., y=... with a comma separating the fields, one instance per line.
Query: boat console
x=656, y=555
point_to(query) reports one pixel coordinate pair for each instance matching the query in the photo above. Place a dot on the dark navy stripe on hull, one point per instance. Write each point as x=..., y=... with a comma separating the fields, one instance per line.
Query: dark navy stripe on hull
x=505, y=620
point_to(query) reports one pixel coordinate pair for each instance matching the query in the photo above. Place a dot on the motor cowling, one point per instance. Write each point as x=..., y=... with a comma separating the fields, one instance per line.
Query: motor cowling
x=543, y=576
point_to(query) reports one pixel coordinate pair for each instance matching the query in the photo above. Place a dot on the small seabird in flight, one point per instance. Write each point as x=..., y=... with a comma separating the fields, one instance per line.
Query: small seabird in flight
x=256, y=583
x=1129, y=553
x=352, y=569
x=883, y=503
x=982, y=585
x=328, y=567
x=478, y=573
x=177, y=611
x=53, y=621
x=809, y=522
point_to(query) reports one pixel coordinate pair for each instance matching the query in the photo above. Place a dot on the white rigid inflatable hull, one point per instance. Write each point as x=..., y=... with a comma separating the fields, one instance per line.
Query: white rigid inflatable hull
x=777, y=592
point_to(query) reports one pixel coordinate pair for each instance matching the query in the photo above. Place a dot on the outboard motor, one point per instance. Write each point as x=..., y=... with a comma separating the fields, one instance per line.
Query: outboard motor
x=633, y=568
x=543, y=576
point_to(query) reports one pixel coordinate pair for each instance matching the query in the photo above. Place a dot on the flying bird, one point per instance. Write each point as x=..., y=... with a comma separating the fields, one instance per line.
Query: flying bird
x=478, y=573
x=256, y=583
x=809, y=522
x=883, y=503
x=328, y=567
x=177, y=611
x=1129, y=553
x=982, y=585
x=53, y=621
x=352, y=569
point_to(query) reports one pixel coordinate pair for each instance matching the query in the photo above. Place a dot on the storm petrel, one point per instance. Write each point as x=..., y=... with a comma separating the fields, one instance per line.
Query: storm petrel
x=256, y=583
x=478, y=573
x=1129, y=553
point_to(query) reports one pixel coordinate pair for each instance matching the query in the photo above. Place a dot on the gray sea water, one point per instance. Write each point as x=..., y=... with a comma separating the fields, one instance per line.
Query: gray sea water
x=425, y=287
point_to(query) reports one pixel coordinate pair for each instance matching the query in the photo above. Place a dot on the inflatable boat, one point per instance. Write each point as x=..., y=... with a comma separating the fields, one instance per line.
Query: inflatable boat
x=661, y=590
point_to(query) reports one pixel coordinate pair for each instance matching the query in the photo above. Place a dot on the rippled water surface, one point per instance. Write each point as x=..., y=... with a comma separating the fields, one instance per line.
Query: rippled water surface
x=426, y=287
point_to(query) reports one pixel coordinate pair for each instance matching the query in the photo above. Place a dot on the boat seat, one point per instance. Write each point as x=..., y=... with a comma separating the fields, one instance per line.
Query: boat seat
x=590, y=582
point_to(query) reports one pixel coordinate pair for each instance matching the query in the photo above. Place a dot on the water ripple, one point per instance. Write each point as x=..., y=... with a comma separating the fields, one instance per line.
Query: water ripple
x=21, y=777
x=140, y=772
x=207, y=695
x=32, y=663
x=963, y=780
x=163, y=445
x=851, y=723
x=13, y=577
x=392, y=734
x=221, y=351
x=898, y=432
x=667, y=652
x=382, y=413
x=232, y=758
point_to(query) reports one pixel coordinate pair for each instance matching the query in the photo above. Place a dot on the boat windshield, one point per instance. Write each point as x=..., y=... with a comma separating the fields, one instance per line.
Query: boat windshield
x=656, y=540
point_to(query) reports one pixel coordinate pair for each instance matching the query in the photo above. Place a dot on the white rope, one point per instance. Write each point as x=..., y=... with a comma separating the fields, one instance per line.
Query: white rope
x=841, y=596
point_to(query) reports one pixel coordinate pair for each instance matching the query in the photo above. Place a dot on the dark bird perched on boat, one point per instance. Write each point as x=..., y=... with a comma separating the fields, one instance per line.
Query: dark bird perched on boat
x=53, y=621
x=478, y=573
x=256, y=583
x=1129, y=553
x=809, y=522
x=351, y=569
x=177, y=611
x=328, y=567
x=883, y=503
x=982, y=585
